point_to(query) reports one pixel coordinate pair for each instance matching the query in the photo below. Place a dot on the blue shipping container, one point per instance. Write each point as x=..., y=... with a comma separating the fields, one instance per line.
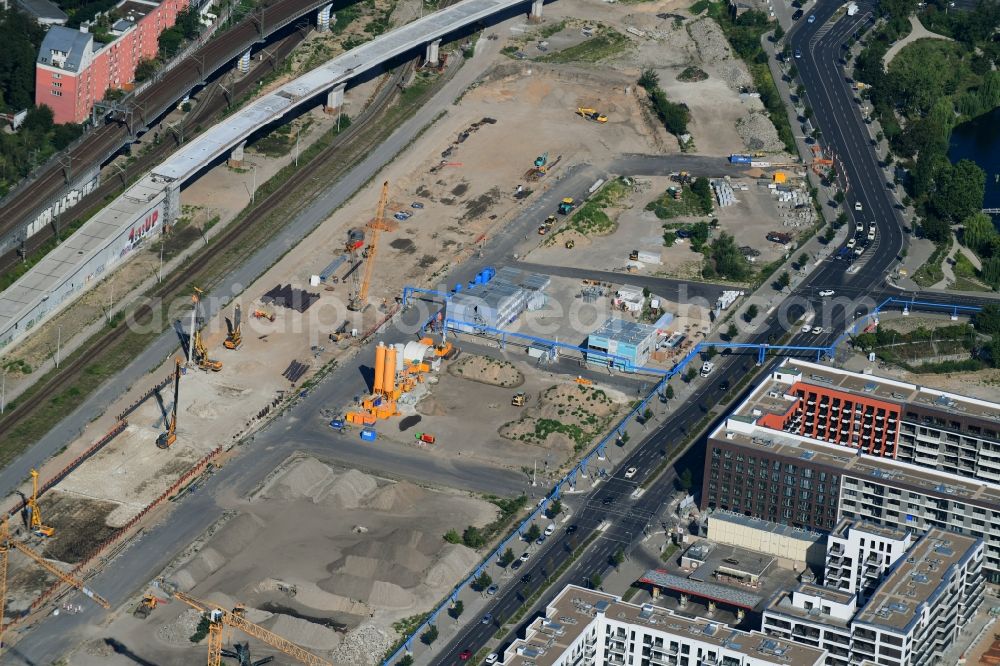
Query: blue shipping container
x=368, y=435
x=739, y=159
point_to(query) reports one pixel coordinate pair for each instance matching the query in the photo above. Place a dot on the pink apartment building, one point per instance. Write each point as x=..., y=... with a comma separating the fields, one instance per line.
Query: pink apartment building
x=73, y=71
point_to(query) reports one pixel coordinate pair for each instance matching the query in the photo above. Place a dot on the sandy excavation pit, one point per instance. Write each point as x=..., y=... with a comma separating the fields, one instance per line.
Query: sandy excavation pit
x=322, y=556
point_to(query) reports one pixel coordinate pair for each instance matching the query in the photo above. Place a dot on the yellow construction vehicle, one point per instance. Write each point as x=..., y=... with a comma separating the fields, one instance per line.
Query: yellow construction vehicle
x=570, y=244
x=34, y=513
x=235, y=337
x=220, y=619
x=263, y=314
x=146, y=606
x=359, y=299
x=166, y=439
x=592, y=114
x=6, y=543
x=583, y=381
x=520, y=399
x=201, y=355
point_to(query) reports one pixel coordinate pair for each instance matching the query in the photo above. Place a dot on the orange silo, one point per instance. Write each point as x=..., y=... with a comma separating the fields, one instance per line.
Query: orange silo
x=380, y=350
x=389, y=371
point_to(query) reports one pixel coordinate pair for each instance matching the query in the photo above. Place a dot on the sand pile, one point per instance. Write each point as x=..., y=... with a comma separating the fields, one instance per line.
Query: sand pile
x=713, y=48
x=365, y=646
x=397, y=497
x=307, y=634
x=454, y=564
x=232, y=539
x=309, y=594
x=350, y=489
x=495, y=372
x=306, y=478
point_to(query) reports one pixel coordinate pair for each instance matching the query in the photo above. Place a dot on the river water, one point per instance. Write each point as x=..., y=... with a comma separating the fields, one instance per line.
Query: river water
x=979, y=141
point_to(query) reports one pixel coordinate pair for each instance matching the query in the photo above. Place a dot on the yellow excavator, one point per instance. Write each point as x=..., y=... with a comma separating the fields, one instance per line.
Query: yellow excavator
x=592, y=114
x=201, y=355
x=34, y=514
x=166, y=439
x=235, y=337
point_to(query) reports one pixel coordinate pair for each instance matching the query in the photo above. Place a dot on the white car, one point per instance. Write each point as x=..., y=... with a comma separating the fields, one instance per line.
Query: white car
x=871, y=234
x=817, y=330
x=491, y=658
x=525, y=555
x=851, y=243
x=630, y=472
x=858, y=207
x=806, y=328
x=550, y=529
x=858, y=251
x=827, y=292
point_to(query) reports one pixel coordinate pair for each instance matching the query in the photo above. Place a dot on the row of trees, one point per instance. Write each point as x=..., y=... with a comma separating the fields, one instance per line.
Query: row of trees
x=674, y=116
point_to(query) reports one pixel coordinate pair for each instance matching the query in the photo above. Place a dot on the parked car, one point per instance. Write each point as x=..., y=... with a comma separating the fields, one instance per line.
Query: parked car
x=797, y=14
x=826, y=292
x=630, y=472
x=550, y=529
x=491, y=659
x=417, y=205
x=525, y=555
x=492, y=590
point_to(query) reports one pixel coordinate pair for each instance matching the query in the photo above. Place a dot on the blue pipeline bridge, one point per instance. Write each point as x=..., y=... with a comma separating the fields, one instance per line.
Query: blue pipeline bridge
x=598, y=452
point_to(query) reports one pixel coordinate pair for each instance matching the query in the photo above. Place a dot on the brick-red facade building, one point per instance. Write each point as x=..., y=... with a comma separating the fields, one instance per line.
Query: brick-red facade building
x=73, y=71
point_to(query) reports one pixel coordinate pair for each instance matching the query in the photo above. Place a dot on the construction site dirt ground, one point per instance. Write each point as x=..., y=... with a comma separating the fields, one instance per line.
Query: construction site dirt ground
x=749, y=220
x=360, y=554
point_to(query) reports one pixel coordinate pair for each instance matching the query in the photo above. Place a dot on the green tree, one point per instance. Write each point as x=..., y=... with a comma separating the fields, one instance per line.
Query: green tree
x=959, y=190
x=727, y=260
x=690, y=374
x=452, y=536
x=595, y=581
x=987, y=320
x=979, y=234
x=22, y=38
x=405, y=660
x=779, y=32
x=732, y=331
x=473, y=538
x=456, y=609
x=554, y=509
x=481, y=582
x=803, y=260
x=711, y=352
x=686, y=480
x=201, y=630
x=649, y=79
x=751, y=313
x=533, y=532
x=146, y=69
x=506, y=558
x=674, y=116
x=617, y=558
x=668, y=392
x=170, y=42
x=703, y=190
x=429, y=636
x=783, y=281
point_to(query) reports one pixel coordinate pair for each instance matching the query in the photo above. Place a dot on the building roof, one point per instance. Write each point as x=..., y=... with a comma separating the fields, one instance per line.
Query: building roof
x=573, y=610
x=759, y=523
x=623, y=330
x=848, y=525
x=43, y=11
x=64, y=40
x=916, y=579
x=782, y=604
x=711, y=591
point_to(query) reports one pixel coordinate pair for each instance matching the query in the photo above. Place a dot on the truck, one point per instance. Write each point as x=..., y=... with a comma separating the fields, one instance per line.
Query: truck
x=645, y=257
x=739, y=159
x=566, y=205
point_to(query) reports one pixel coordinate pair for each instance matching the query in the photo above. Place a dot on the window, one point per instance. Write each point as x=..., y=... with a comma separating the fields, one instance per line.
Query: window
x=57, y=93
x=56, y=84
x=56, y=75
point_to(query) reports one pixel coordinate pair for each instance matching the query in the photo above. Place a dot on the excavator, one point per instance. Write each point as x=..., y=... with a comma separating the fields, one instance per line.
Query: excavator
x=235, y=337
x=166, y=439
x=201, y=355
x=146, y=606
x=592, y=114
x=6, y=543
x=34, y=513
x=221, y=619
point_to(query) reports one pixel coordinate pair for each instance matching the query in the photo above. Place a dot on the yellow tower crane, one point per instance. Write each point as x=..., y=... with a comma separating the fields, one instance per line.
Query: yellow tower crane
x=6, y=543
x=360, y=298
x=219, y=618
x=34, y=513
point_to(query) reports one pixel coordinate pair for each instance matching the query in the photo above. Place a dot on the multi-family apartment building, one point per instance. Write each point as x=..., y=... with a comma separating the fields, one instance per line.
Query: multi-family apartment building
x=814, y=444
x=584, y=627
x=73, y=71
x=923, y=596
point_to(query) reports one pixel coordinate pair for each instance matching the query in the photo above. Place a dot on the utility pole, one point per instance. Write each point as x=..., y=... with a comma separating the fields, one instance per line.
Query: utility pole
x=296, y=146
x=3, y=391
x=58, y=345
x=253, y=190
x=159, y=275
x=534, y=470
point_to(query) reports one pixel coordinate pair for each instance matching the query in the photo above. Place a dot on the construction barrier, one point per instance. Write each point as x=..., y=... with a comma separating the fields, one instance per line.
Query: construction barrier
x=79, y=460
x=124, y=529
x=145, y=396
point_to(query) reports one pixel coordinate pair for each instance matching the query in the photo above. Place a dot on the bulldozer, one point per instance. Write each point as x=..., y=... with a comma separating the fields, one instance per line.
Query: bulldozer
x=566, y=206
x=592, y=114
x=146, y=606
x=520, y=399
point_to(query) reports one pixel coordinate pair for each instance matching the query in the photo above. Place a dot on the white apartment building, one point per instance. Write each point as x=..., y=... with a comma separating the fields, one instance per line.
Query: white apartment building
x=584, y=627
x=924, y=597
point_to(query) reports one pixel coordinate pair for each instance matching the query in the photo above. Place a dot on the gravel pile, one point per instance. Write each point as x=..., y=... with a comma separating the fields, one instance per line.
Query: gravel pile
x=179, y=631
x=713, y=48
x=365, y=646
x=758, y=133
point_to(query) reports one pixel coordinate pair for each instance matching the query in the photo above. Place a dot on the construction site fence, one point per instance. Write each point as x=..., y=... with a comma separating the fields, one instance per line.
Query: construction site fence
x=118, y=429
x=198, y=468
x=146, y=396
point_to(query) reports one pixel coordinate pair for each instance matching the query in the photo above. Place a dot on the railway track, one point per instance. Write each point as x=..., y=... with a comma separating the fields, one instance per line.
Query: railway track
x=177, y=283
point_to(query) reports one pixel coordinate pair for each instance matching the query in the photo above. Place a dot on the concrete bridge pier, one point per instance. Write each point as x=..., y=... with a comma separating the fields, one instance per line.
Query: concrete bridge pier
x=335, y=99
x=536, y=11
x=243, y=64
x=172, y=204
x=236, y=157
x=324, y=17
x=432, y=57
